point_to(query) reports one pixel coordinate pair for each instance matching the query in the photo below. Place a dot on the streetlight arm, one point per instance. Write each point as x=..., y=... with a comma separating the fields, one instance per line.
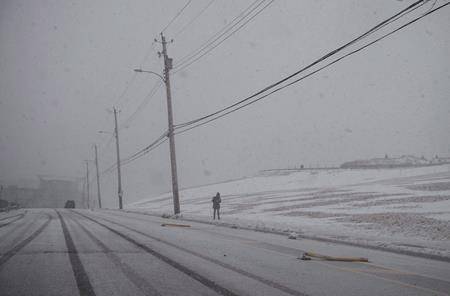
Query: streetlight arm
x=151, y=72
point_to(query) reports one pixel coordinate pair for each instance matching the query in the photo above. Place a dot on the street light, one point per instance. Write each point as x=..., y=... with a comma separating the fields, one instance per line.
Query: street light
x=151, y=72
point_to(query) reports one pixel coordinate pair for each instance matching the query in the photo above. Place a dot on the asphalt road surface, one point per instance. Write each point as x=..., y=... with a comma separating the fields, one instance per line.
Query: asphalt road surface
x=83, y=252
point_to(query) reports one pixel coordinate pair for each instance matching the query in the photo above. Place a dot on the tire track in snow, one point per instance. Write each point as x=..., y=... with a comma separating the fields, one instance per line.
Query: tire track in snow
x=19, y=230
x=191, y=273
x=9, y=217
x=9, y=254
x=17, y=218
x=220, y=263
x=132, y=275
x=84, y=285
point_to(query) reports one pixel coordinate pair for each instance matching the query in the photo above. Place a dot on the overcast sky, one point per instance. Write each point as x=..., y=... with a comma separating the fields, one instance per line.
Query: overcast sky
x=64, y=64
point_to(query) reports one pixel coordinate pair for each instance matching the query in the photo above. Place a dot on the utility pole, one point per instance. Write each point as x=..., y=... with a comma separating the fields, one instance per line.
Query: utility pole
x=119, y=177
x=87, y=184
x=173, y=161
x=83, y=193
x=98, y=179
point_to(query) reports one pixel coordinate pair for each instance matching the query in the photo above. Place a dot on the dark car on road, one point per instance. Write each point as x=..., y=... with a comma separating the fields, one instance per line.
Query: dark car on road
x=70, y=204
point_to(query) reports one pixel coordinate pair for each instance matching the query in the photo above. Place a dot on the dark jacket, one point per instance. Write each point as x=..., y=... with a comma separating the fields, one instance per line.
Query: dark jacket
x=216, y=202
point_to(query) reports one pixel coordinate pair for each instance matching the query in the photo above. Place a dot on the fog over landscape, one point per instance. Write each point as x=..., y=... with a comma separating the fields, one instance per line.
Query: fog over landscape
x=225, y=147
x=64, y=65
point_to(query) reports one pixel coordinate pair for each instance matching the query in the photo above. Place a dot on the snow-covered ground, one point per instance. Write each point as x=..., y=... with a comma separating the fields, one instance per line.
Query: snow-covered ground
x=406, y=208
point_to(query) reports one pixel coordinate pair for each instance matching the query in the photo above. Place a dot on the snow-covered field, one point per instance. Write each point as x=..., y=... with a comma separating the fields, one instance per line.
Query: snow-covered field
x=406, y=208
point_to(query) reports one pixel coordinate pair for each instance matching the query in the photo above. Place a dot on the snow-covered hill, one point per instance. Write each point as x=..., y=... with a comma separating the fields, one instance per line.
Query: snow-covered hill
x=405, y=208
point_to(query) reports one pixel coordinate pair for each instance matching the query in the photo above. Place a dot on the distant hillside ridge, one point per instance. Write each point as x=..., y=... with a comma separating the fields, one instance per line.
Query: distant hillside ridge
x=395, y=162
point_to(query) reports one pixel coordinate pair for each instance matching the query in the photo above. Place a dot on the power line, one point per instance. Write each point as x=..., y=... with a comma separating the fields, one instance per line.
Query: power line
x=433, y=5
x=324, y=57
x=143, y=151
x=303, y=69
x=109, y=169
x=216, y=36
x=188, y=63
x=144, y=103
x=163, y=138
x=193, y=52
x=177, y=15
x=130, y=160
x=156, y=143
x=126, y=162
x=194, y=18
x=125, y=90
x=312, y=73
x=108, y=143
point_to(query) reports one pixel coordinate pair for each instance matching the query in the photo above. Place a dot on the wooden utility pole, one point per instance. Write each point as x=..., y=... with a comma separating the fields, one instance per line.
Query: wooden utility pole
x=119, y=177
x=98, y=178
x=173, y=161
x=83, y=196
x=87, y=184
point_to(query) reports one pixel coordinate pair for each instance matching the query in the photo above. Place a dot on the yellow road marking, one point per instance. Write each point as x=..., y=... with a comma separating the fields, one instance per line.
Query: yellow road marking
x=254, y=243
x=407, y=272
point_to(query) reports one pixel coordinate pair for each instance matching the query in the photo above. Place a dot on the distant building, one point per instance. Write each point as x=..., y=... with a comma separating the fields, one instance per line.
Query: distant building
x=16, y=194
x=389, y=162
x=440, y=160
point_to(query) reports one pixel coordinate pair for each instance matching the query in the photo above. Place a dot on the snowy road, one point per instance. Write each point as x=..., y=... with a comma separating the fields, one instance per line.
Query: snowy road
x=81, y=252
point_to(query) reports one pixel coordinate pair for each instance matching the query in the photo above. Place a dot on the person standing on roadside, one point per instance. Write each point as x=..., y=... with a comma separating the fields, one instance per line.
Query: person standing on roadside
x=216, y=200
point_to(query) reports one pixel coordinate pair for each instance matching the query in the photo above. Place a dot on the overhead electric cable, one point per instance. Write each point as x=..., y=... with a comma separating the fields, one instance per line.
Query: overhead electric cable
x=126, y=162
x=109, y=169
x=177, y=15
x=125, y=90
x=156, y=143
x=312, y=73
x=241, y=15
x=329, y=54
x=144, y=103
x=107, y=143
x=163, y=138
x=224, y=30
x=164, y=135
x=187, y=63
x=208, y=41
x=194, y=18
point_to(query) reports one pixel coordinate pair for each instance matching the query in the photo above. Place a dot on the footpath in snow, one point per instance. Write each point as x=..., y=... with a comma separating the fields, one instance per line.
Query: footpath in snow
x=405, y=209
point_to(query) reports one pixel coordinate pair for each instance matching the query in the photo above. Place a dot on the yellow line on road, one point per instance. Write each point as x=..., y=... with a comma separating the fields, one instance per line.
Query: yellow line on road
x=407, y=272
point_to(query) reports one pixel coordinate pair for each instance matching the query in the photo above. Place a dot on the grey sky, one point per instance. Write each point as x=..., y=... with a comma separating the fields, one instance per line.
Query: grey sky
x=63, y=64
